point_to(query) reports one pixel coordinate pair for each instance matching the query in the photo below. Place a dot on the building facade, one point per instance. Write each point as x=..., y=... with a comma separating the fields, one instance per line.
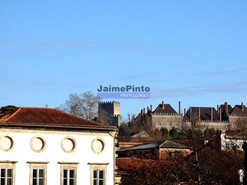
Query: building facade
x=43, y=146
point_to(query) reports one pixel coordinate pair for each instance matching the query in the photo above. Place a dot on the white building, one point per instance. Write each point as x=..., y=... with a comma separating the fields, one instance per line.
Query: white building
x=233, y=139
x=43, y=146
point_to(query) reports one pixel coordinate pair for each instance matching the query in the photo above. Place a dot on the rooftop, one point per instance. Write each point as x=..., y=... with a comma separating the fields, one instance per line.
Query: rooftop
x=48, y=117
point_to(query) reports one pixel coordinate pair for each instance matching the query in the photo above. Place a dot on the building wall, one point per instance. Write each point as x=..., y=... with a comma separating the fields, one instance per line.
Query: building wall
x=165, y=152
x=116, y=108
x=166, y=120
x=231, y=143
x=223, y=126
x=112, y=108
x=111, y=112
x=53, y=154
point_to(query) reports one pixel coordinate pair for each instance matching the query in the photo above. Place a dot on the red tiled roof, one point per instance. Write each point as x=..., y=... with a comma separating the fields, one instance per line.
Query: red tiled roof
x=48, y=117
x=239, y=110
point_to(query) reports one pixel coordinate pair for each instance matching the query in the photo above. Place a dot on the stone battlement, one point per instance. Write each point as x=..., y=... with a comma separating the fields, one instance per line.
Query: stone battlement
x=109, y=102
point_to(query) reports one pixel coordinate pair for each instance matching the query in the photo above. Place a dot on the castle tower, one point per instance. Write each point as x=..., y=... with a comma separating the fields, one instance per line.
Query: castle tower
x=110, y=112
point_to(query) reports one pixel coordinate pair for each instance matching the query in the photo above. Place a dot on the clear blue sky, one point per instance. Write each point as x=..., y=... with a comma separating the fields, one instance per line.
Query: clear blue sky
x=190, y=51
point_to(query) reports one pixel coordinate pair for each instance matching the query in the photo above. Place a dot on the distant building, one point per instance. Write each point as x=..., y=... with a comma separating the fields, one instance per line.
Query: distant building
x=109, y=112
x=205, y=117
x=164, y=116
x=44, y=146
x=233, y=139
x=224, y=118
x=155, y=150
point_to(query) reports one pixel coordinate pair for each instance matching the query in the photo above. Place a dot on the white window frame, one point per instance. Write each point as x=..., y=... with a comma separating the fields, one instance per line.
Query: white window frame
x=98, y=167
x=69, y=167
x=8, y=165
x=37, y=166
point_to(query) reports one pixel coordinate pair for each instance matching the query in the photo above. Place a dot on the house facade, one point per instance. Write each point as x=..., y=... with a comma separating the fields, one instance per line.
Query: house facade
x=233, y=139
x=43, y=146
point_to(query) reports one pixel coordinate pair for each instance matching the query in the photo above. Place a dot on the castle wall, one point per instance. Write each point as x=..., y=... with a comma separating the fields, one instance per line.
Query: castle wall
x=110, y=110
x=223, y=126
x=167, y=120
x=116, y=108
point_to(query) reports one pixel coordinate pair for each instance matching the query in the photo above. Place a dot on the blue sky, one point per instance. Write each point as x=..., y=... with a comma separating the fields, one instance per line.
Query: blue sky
x=190, y=51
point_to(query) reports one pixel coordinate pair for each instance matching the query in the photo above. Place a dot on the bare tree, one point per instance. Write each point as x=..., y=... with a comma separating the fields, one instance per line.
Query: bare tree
x=83, y=105
x=241, y=124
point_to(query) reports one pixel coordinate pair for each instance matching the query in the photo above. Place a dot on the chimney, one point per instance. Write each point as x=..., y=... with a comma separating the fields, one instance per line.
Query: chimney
x=212, y=113
x=226, y=108
x=242, y=106
x=184, y=111
x=151, y=109
x=190, y=113
x=199, y=114
x=163, y=105
x=220, y=115
x=179, y=107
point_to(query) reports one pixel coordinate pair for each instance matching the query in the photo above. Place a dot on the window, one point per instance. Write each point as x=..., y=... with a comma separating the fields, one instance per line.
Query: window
x=98, y=177
x=38, y=176
x=37, y=172
x=68, y=173
x=6, y=176
x=68, y=177
x=7, y=173
x=98, y=173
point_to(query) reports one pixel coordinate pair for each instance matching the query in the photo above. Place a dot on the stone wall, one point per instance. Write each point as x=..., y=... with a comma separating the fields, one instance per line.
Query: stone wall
x=167, y=120
x=223, y=126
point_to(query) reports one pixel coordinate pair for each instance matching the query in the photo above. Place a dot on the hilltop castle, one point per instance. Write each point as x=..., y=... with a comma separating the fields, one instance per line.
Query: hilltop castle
x=164, y=116
x=110, y=112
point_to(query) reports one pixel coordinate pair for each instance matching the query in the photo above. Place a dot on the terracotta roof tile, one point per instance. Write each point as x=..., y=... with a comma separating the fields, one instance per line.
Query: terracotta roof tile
x=48, y=117
x=239, y=110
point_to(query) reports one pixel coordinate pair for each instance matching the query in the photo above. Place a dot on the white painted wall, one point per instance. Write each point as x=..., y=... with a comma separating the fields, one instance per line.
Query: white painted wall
x=230, y=143
x=53, y=154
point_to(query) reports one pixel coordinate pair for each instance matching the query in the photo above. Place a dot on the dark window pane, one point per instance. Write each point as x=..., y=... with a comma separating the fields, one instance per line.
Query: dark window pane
x=9, y=182
x=94, y=182
x=71, y=182
x=41, y=181
x=34, y=173
x=34, y=181
x=41, y=172
x=71, y=173
x=95, y=174
x=101, y=182
x=2, y=181
x=64, y=181
x=9, y=173
x=2, y=173
x=65, y=172
x=101, y=174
